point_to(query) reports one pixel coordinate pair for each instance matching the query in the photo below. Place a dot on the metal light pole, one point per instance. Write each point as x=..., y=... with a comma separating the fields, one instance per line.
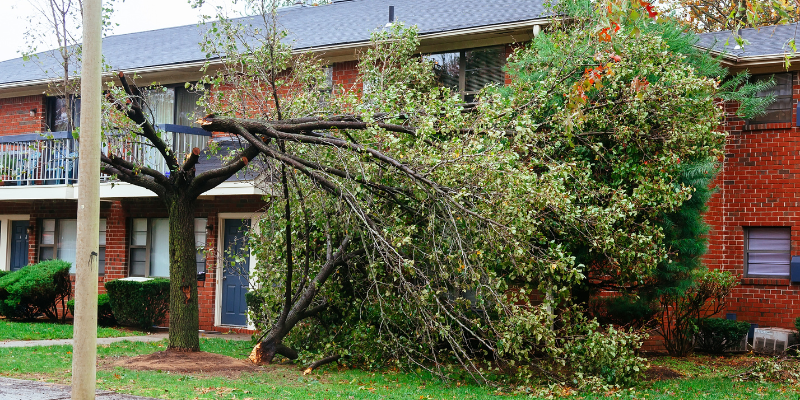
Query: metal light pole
x=84, y=367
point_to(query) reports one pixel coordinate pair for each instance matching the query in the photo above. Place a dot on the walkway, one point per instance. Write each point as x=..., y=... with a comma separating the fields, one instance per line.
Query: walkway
x=155, y=337
x=18, y=389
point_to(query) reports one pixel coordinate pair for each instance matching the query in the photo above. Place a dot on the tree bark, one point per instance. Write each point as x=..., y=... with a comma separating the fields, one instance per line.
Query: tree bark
x=184, y=322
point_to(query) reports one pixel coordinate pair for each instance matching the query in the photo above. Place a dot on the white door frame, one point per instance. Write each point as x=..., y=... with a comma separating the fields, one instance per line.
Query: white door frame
x=5, y=238
x=221, y=217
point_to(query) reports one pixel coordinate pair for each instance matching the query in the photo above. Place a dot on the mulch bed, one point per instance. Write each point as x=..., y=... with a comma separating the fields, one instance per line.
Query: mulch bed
x=661, y=374
x=188, y=363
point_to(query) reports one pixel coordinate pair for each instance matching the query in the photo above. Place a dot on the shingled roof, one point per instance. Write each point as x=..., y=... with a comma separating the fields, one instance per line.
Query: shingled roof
x=340, y=23
x=762, y=42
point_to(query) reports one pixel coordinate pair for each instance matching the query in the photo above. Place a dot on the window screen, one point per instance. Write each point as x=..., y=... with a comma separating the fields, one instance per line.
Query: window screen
x=781, y=109
x=768, y=252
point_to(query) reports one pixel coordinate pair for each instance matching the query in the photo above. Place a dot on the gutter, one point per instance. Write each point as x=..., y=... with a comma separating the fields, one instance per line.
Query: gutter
x=746, y=61
x=196, y=65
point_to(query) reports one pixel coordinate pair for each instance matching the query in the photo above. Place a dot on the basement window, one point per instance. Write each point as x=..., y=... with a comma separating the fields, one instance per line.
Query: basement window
x=468, y=71
x=767, y=252
x=780, y=111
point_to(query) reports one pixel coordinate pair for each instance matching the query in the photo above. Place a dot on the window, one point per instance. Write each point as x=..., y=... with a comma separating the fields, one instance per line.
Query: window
x=781, y=109
x=173, y=105
x=468, y=71
x=59, y=240
x=200, y=243
x=767, y=252
x=149, y=246
x=326, y=87
x=57, y=113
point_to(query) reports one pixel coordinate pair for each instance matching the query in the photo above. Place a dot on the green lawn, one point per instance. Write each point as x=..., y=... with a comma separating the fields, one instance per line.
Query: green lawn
x=53, y=364
x=45, y=330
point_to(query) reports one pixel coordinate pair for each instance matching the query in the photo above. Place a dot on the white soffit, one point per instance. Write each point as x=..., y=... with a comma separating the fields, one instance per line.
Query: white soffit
x=114, y=190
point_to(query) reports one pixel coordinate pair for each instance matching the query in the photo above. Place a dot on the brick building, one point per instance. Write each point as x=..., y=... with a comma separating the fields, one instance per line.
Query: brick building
x=753, y=215
x=38, y=156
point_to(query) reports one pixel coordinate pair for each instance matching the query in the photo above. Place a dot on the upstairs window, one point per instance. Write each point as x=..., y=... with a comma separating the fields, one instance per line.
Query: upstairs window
x=57, y=115
x=468, y=71
x=767, y=252
x=326, y=86
x=780, y=111
x=173, y=105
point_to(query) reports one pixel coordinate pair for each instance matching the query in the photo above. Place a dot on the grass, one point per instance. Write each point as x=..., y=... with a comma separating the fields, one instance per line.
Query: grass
x=46, y=330
x=707, y=379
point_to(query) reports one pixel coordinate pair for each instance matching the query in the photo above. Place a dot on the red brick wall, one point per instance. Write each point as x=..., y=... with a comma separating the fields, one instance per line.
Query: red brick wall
x=759, y=185
x=117, y=215
x=16, y=115
x=346, y=75
x=154, y=208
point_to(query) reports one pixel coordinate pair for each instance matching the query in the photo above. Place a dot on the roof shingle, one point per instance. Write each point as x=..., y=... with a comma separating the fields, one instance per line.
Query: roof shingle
x=308, y=27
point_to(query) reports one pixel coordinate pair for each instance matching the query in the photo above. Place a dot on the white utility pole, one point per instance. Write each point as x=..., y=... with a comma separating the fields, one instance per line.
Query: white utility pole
x=84, y=358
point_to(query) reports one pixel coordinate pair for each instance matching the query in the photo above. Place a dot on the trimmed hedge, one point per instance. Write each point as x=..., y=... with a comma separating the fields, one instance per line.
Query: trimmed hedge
x=4, y=273
x=140, y=304
x=35, y=290
x=717, y=335
x=105, y=316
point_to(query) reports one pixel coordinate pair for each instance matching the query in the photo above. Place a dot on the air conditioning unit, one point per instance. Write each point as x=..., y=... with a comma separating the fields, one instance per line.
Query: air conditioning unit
x=772, y=340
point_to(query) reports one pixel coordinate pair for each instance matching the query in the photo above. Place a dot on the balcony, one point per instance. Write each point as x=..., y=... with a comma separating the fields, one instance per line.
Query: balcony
x=52, y=158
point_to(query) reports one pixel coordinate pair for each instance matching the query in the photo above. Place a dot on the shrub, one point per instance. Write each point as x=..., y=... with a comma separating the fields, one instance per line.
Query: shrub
x=717, y=335
x=680, y=310
x=104, y=314
x=4, y=273
x=35, y=290
x=139, y=303
x=797, y=326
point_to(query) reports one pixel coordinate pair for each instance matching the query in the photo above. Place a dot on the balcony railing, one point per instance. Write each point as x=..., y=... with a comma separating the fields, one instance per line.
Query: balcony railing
x=52, y=158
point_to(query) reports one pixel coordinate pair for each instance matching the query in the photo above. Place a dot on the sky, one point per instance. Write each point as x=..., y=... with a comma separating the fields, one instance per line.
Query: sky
x=130, y=15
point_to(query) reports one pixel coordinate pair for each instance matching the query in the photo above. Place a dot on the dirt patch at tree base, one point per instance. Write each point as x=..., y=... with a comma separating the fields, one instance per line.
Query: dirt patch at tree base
x=661, y=374
x=187, y=362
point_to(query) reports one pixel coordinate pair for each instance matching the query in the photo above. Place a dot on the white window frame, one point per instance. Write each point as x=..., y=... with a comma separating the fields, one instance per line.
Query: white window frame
x=56, y=243
x=747, y=252
x=148, y=246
